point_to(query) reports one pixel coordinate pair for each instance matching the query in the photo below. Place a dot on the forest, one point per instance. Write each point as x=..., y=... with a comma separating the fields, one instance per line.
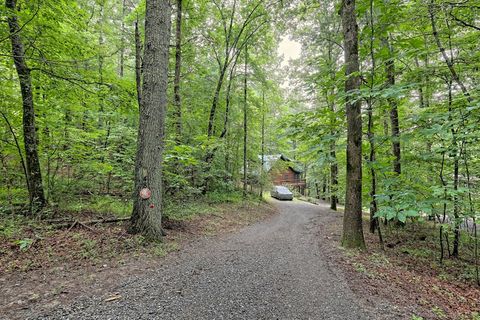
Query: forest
x=146, y=112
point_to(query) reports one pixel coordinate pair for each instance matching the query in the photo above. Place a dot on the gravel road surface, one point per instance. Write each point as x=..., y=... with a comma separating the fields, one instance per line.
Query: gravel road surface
x=274, y=269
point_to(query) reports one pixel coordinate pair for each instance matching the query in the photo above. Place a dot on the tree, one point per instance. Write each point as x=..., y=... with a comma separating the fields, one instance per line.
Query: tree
x=245, y=123
x=370, y=131
x=394, y=121
x=147, y=210
x=34, y=175
x=352, y=222
x=178, y=68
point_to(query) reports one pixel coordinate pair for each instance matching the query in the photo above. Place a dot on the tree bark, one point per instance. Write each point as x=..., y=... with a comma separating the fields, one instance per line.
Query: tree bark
x=147, y=211
x=390, y=71
x=370, y=133
x=352, y=223
x=263, y=146
x=216, y=96
x=35, y=186
x=333, y=144
x=19, y=149
x=372, y=159
x=178, y=68
x=122, y=41
x=333, y=176
x=101, y=61
x=245, y=126
x=138, y=64
x=228, y=97
x=456, y=159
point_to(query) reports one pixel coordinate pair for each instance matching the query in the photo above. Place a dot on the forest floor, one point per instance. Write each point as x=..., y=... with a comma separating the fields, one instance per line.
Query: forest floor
x=64, y=268
x=274, y=269
x=408, y=271
x=43, y=266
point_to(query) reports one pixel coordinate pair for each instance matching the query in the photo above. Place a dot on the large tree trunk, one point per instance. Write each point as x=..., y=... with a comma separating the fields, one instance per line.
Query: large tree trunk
x=178, y=67
x=147, y=209
x=352, y=222
x=35, y=186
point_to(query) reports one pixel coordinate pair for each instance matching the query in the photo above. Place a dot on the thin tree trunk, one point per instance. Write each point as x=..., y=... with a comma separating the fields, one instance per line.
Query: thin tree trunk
x=216, y=96
x=390, y=71
x=456, y=209
x=8, y=182
x=147, y=210
x=245, y=126
x=228, y=98
x=211, y=153
x=263, y=146
x=333, y=176
x=444, y=184
x=178, y=67
x=333, y=144
x=472, y=212
x=449, y=62
x=372, y=159
x=371, y=134
x=352, y=223
x=35, y=186
x=19, y=150
x=324, y=188
x=421, y=93
x=122, y=41
x=101, y=61
x=456, y=159
x=138, y=64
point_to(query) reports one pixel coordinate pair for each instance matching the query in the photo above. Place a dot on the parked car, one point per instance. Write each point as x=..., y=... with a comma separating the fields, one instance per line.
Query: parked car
x=281, y=193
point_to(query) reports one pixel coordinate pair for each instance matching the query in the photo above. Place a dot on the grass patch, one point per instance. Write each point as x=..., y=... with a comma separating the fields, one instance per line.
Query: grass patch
x=100, y=204
x=11, y=226
x=161, y=249
x=418, y=252
x=224, y=197
x=208, y=204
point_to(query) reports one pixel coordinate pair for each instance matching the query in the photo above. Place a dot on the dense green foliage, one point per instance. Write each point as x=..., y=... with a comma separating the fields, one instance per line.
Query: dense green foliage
x=437, y=98
x=420, y=58
x=82, y=60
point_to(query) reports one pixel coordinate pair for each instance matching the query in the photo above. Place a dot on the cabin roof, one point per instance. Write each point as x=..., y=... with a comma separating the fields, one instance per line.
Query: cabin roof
x=269, y=161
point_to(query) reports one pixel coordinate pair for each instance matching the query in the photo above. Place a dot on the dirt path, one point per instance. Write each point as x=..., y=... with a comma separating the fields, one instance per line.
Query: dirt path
x=271, y=270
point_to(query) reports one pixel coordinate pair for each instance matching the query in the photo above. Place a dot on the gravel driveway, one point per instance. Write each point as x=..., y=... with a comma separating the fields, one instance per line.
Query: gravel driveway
x=274, y=269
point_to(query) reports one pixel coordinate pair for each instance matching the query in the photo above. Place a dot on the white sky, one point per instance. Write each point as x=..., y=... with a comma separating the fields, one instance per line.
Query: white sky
x=289, y=50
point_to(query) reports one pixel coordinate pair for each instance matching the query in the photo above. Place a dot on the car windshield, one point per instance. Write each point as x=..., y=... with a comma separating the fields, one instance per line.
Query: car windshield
x=283, y=189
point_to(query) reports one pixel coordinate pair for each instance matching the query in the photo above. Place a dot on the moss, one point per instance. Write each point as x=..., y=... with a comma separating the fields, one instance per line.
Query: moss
x=353, y=242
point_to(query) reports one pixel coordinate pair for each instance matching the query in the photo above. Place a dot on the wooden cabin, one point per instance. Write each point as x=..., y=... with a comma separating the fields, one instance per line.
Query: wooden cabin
x=283, y=172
